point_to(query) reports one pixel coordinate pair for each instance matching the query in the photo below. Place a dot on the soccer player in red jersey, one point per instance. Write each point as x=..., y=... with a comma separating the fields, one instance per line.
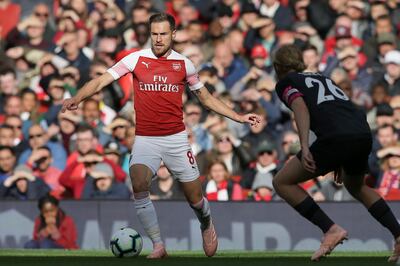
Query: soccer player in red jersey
x=159, y=78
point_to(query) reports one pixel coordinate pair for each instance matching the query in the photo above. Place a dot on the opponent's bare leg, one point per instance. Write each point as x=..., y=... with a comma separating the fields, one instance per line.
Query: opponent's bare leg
x=141, y=180
x=286, y=185
x=194, y=195
x=377, y=207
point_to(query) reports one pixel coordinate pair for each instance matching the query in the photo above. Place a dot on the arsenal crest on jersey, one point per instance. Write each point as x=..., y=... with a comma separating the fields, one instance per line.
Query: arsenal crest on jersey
x=176, y=66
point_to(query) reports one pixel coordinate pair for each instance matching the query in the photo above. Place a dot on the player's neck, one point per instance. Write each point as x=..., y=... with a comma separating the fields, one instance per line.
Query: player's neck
x=165, y=55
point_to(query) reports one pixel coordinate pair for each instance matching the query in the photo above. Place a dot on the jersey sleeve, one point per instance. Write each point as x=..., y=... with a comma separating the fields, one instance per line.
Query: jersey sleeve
x=192, y=77
x=287, y=92
x=125, y=65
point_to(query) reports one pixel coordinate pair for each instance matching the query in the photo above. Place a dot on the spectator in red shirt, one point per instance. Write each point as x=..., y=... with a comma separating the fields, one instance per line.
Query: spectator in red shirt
x=9, y=17
x=53, y=228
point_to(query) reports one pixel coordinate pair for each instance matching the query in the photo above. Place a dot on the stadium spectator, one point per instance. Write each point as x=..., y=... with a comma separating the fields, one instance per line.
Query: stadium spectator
x=311, y=58
x=262, y=189
x=8, y=85
x=196, y=32
x=20, y=143
x=92, y=116
x=38, y=138
x=6, y=136
x=53, y=228
x=360, y=78
x=100, y=184
x=87, y=154
x=30, y=33
x=230, y=69
x=23, y=185
x=282, y=15
x=165, y=186
x=9, y=17
x=249, y=13
x=220, y=186
x=327, y=189
x=392, y=76
x=118, y=129
x=357, y=12
x=40, y=162
x=262, y=32
x=7, y=162
x=68, y=123
x=56, y=91
x=289, y=137
x=265, y=164
x=232, y=151
x=42, y=12
x=386, y=136
x=192, y=116
x=382, y=24
x=110, y=98
x=257, y=135
x=72, y=53
x=389, y=180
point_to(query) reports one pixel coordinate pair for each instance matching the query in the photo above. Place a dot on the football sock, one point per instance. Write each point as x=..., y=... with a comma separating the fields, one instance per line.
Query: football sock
x=147, y=216
x=383, y=214
x=312, y=212
x=203, y=213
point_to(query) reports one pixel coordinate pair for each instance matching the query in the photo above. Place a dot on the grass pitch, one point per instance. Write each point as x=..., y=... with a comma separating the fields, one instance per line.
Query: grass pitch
x=189, y=258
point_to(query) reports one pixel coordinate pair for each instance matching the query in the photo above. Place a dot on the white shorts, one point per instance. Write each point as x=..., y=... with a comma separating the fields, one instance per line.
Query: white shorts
x=173, y=150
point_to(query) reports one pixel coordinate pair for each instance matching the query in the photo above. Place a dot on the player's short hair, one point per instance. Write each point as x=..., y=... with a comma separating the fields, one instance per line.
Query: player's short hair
x=161, y=17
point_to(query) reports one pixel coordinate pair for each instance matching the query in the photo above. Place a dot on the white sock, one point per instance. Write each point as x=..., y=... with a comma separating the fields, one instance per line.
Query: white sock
x=147, y=216
x=203, y=213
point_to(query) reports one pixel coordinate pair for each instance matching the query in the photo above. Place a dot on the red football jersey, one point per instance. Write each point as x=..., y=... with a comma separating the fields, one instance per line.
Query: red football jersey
x=158, y=84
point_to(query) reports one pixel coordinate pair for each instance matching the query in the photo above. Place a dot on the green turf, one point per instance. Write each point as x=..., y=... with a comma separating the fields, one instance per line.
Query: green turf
x=228, y=258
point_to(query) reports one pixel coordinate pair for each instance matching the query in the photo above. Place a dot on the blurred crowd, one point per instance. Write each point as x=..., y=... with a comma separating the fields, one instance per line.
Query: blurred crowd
x=49, y=54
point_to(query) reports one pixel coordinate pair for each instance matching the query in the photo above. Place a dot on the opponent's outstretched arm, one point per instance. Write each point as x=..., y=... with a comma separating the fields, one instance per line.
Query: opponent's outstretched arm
x=219, y=107
x=89, y=89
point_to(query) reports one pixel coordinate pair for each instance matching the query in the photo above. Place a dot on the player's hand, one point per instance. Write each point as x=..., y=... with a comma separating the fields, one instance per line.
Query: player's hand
x=70, y=104
x=307, y=161
x=251, y=119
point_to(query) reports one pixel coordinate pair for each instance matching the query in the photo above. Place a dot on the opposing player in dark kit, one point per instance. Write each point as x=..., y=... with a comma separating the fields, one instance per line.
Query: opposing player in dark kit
x=343, y=145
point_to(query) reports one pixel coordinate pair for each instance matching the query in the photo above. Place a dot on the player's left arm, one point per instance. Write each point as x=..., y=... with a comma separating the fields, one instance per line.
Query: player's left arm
x=219, y=107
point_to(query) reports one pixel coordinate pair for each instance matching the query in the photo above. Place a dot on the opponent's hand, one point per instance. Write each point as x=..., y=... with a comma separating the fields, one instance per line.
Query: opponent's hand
x=70, y=104
x=251, y=119
x=307, y=161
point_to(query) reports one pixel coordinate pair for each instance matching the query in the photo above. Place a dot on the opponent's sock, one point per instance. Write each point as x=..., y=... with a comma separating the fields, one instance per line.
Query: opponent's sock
x=383, y=214
x=203, y=213
x=312, y=212
x=147, y=216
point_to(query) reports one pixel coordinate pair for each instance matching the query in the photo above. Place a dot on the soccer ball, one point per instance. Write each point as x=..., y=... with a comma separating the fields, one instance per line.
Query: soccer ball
x=126, y=242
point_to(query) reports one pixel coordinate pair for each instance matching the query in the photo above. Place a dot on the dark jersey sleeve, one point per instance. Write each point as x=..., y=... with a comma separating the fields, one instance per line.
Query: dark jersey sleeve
x=287, y=91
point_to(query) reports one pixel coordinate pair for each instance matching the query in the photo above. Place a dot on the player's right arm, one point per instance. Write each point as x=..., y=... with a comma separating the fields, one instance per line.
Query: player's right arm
x=302, y=119
x=89, y=89
x=125, y=65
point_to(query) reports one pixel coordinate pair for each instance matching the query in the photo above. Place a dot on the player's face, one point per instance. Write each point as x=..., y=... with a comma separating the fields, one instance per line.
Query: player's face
x=161, y=38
